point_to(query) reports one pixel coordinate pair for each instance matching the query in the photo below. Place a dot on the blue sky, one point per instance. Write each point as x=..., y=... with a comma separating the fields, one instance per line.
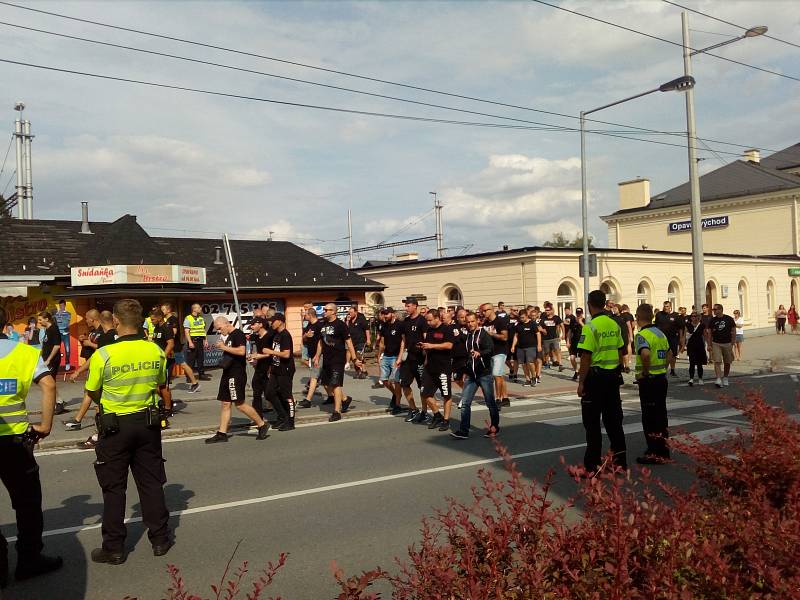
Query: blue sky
x=187, y=163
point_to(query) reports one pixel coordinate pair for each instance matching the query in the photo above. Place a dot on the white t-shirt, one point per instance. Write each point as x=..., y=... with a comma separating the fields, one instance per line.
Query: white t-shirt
x=739, y=326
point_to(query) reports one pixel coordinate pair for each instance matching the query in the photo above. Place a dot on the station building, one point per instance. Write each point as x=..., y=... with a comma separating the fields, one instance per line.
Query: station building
x=751, y=238
x=93, y=264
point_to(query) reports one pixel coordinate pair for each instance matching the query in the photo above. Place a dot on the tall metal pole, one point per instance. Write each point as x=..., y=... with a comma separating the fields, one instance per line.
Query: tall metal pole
x=698, y=272
x=232, y=275
x=437, y=210
x=26, y=143
x=20, y=168
x=350, y=237
x=584, y=219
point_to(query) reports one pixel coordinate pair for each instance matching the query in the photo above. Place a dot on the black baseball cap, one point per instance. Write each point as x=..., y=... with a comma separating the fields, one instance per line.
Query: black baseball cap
x=279, y=317
x=411, y=300
x=388, y=310
x=261, y=321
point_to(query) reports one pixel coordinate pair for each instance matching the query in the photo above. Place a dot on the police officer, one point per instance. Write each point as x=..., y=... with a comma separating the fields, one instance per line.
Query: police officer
x=602, y=349
x=125, y=379
x=21, y=365
x=194, y=326
x=653, y=354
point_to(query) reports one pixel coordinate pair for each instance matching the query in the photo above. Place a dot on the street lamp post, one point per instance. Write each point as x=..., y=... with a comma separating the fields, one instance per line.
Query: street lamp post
x=680, y=84
x=698, y=270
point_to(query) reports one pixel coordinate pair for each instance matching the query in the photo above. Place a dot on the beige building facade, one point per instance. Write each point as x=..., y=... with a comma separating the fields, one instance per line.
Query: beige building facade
x=751, y=238
x=525, y=276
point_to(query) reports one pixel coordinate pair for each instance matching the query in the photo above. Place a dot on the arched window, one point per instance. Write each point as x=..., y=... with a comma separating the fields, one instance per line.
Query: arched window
x=744, y=308
x=608, y=288
x=771, y=299
x=793, y=292
x=451, y=296
x=376, y=299
x=565, y=298
x=674, y=294
x=711, y=294
x=644, y=293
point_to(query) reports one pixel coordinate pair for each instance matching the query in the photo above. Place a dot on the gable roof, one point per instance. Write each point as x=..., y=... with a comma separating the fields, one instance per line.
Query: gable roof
x=42, y=248
x=784, y=159
x=739, y=178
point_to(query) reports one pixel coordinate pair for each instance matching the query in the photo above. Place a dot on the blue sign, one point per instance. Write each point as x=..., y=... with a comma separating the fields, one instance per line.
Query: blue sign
x=708, y=223
x=8, y=387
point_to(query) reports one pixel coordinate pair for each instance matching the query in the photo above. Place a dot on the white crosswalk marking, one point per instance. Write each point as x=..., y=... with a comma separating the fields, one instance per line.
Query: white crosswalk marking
x=687, y=404
x=718, y=414
x=710, y=435
x=795, y=378
x=636, y=427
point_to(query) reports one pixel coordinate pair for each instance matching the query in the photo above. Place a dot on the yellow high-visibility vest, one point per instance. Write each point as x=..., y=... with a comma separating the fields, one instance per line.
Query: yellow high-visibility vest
x=16, y=375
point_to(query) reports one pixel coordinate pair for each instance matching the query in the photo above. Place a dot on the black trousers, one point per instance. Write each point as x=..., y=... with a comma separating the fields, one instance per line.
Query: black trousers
x=653, y=398
x=20, y=475
x=602, y=402
x=196, y=357
x=279, y=393
x=259, y=383
x=138, y=448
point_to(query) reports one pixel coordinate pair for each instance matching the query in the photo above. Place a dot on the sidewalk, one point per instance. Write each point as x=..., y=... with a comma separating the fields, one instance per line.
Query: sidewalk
x=199, y=413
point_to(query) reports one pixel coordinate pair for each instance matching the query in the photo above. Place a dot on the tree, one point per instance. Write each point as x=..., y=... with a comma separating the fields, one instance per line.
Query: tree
x=560, y=240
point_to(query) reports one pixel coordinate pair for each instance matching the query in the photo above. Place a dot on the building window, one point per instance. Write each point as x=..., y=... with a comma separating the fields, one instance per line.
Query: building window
x=793, y=292
x=643, y=293
x=376, y=299
x=711, y=294
x=674, y=294
x=610, y=291
x=770, y=299
x=742, y=293
x=565, y=298
x=451, y=296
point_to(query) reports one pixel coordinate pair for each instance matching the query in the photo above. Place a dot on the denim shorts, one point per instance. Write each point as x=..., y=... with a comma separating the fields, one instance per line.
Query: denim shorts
x=389, y=372
x=180, y=358
x=740, y=337
x=526, y=355
x=498, y=365
x=314, y=370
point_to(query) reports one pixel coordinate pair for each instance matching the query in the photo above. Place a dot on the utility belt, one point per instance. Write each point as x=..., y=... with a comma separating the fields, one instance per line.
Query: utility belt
x=650, y=376
x=111, y=423
x=28, y=439
x=600, y=372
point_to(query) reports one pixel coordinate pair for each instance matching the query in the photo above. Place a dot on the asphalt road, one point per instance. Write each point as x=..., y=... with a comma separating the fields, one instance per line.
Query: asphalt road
x=352, y=491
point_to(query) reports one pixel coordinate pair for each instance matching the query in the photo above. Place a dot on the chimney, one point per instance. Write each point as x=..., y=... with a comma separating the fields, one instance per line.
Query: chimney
x=85, y=218
x=407, y=257
x=753, y=156
x=218, y=259
x=634, y=193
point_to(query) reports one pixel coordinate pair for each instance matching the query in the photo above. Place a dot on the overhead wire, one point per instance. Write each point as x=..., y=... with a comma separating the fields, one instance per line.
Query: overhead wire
x=697, y=12
x=347, y=74
x=5, y=189
x=3, y=168
x=665, y=40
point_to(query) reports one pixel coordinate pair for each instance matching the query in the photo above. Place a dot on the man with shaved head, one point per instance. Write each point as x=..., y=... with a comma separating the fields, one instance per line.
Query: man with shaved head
x=88, y=341
x=333, y=350
x=234, y=378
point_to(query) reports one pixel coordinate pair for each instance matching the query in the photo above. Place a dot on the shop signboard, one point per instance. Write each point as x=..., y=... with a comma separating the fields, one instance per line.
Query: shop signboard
x=794, y=271
x=137, y=275
x=240, y=318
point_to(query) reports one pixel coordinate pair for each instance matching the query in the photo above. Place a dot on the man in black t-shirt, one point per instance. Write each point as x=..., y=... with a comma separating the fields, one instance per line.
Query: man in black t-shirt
x=51, y=351
x=720, y=335
x=164, y=339
x=511, y=358
x=437, y=372
x=233, y=344
x=281, y=372
x=526, y=344
x=311, y=337
x=551, y=337
x=171, y=319
x=88, y=341
x=360, y=334
x=630, y=322
x=413, y=331
x=389, y=342
x=673, y=326
x=459, y=354
x=259, y=341
x=497, y=328
x=333, y=350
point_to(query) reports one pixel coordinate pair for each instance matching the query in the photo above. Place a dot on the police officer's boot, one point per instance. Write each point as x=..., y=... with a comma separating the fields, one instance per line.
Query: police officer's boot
x=37, y=565
x=101, y=555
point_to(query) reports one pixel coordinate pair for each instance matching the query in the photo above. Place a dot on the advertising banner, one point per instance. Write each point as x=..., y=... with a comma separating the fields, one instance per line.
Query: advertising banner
x=137, y=274
x=240, y=318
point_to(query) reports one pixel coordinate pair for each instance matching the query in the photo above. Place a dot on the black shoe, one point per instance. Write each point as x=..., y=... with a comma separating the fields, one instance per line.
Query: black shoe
x=287, y=425
x=194, y=388
x=335, y=416
x=304, y=404
x=162, y=549
x=491, y=432
x=38, y=565
x=412, y=414
x=262, y=431
x=396, y=410
x=100, y=555
x=505, y=402
x=346, y=404
x=217, y=437
x=420, y=417
x=459, y=435
x=435, y=420
x=328, y=400
x=204, y=377
x=652, y=459
x=672, y=373
x=60, y=409
x=575, y=376
x=444, y=425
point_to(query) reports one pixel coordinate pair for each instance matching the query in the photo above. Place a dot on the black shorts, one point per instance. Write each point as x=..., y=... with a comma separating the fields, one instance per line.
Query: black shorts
x=673, y=345
x=459, y=368
x=281, y=385
x=331, y=373
x=433, y=382
x=231, y=387
x=54, y=365
x=411, y=370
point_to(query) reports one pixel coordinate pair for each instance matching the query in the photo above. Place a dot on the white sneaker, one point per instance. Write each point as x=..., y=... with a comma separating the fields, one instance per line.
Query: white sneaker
x=690, y=382
x=460, y=404
x=725, y=381
x=718, y=382
x=700, y=381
